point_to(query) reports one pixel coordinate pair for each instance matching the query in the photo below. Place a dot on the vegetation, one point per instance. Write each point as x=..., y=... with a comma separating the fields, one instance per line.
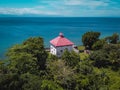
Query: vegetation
x=29, y=67
x=71, y=58
x=99, y=44
x=89, y=38
x=109, y=55
x=81, y=47
x=113, y=39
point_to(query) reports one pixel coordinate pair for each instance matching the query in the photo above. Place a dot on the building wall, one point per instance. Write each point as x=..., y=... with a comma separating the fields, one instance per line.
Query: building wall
x=53, y=50
x=58, y=51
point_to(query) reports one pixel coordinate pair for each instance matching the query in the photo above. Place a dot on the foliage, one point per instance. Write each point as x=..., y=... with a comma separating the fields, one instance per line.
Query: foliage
x=30, y=81
x=50, y=85
x=114, y=79
x=89, y=38
x=28, y=57
x=52, y=57
x=71, y=58
x=35, y=46
x=84, y=67
x=81, y=47
x=98, y=44
x=108, y=56
x=25, y=63
x=83, y=56
x=3, y=67
x=100, y=59
x=29, y=67
x=88, y=79
x=61, y=73
x=113, y=39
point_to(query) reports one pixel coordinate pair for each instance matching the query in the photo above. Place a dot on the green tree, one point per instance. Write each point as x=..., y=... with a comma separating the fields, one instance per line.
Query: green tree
x=87, y=78
x=10, y=81
x=60, y=73
x=52, y=57
x=109, y=55
x=113, y=39
x=30, y=81
x=25, y=67
x=99, y=81
x=98, y=44
x=35, y=46
x=100, y=58
x=71, y=58
x=89, y=38
x=3, y=67
x=23, y=63
x=84, y=67
x=27, y=57
x=50, y=85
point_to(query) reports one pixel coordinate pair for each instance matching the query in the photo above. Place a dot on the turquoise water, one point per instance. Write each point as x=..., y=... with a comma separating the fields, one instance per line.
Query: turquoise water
x=14, y=30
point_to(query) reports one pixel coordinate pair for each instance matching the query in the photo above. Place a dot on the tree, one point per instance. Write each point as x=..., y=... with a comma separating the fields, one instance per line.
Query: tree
x=23, y=63
x=30, y=81
x=71, y=58
x=27, y=57
x=52, y=57
x=100, y=59
x=98, y=44
x=10, y=81
x=84, y=67
x=113, y=39
x=89, y=38
x=26, y=62
x=3, y=67
x=50, y=85
x=60, y=73
x=28, y=67
x=109, y=55
x=35, y=46
x=87, y=78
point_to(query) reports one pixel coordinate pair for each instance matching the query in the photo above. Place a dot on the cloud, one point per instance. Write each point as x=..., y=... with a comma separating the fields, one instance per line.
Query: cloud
x=88, y=4
x=68, y=8
x=22, y=11
x=72, y=3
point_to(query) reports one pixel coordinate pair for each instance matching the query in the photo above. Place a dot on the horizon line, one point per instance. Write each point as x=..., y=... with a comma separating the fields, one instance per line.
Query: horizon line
x=56, y=16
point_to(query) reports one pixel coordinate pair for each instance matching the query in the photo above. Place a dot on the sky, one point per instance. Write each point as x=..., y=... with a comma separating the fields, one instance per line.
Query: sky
x=61, y=8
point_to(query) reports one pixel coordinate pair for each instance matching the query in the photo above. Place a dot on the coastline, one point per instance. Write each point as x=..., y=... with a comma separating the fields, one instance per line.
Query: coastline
x=15, y=30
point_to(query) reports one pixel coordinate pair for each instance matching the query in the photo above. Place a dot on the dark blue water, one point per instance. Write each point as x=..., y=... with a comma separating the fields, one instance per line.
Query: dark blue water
x=14, y=30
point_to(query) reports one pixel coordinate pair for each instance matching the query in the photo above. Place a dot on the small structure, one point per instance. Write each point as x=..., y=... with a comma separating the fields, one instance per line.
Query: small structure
x=60, y=44
x=75, y=49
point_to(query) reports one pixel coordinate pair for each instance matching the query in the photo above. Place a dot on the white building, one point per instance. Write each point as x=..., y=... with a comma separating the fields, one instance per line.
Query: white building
x=59, y=44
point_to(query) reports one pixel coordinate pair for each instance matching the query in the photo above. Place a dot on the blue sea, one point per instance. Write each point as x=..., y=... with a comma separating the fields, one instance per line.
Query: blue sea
x=14, y=30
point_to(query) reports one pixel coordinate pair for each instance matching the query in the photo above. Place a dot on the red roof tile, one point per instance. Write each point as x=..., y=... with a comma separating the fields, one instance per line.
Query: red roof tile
x=61, y=41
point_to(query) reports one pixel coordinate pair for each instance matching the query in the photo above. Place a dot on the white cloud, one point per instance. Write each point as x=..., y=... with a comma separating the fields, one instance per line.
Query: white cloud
x=67, y=8
x=87, y=3
x=22, y=11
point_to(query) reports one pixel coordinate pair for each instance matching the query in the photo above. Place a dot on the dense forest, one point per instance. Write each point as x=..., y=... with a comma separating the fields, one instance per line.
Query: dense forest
x=28, y=66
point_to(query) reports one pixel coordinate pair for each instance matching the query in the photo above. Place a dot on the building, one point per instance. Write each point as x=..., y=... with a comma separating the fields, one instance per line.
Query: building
x=60, y=44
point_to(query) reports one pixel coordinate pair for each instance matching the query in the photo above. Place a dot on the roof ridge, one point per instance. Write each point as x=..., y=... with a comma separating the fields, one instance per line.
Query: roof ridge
x=61, y=41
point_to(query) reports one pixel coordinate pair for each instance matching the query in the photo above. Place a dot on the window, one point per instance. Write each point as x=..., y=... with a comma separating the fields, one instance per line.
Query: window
x=61, y=50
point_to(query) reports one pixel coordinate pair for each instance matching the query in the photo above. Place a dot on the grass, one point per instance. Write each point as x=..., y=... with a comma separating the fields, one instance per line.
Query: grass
x=82, y=54
x=81, y=47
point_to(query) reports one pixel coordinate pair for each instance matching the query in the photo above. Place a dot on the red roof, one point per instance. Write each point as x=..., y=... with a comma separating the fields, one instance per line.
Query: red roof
x=61, y=41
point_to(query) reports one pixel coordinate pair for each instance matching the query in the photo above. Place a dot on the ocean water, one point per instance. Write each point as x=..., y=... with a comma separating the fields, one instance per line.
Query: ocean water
x=14, y=30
